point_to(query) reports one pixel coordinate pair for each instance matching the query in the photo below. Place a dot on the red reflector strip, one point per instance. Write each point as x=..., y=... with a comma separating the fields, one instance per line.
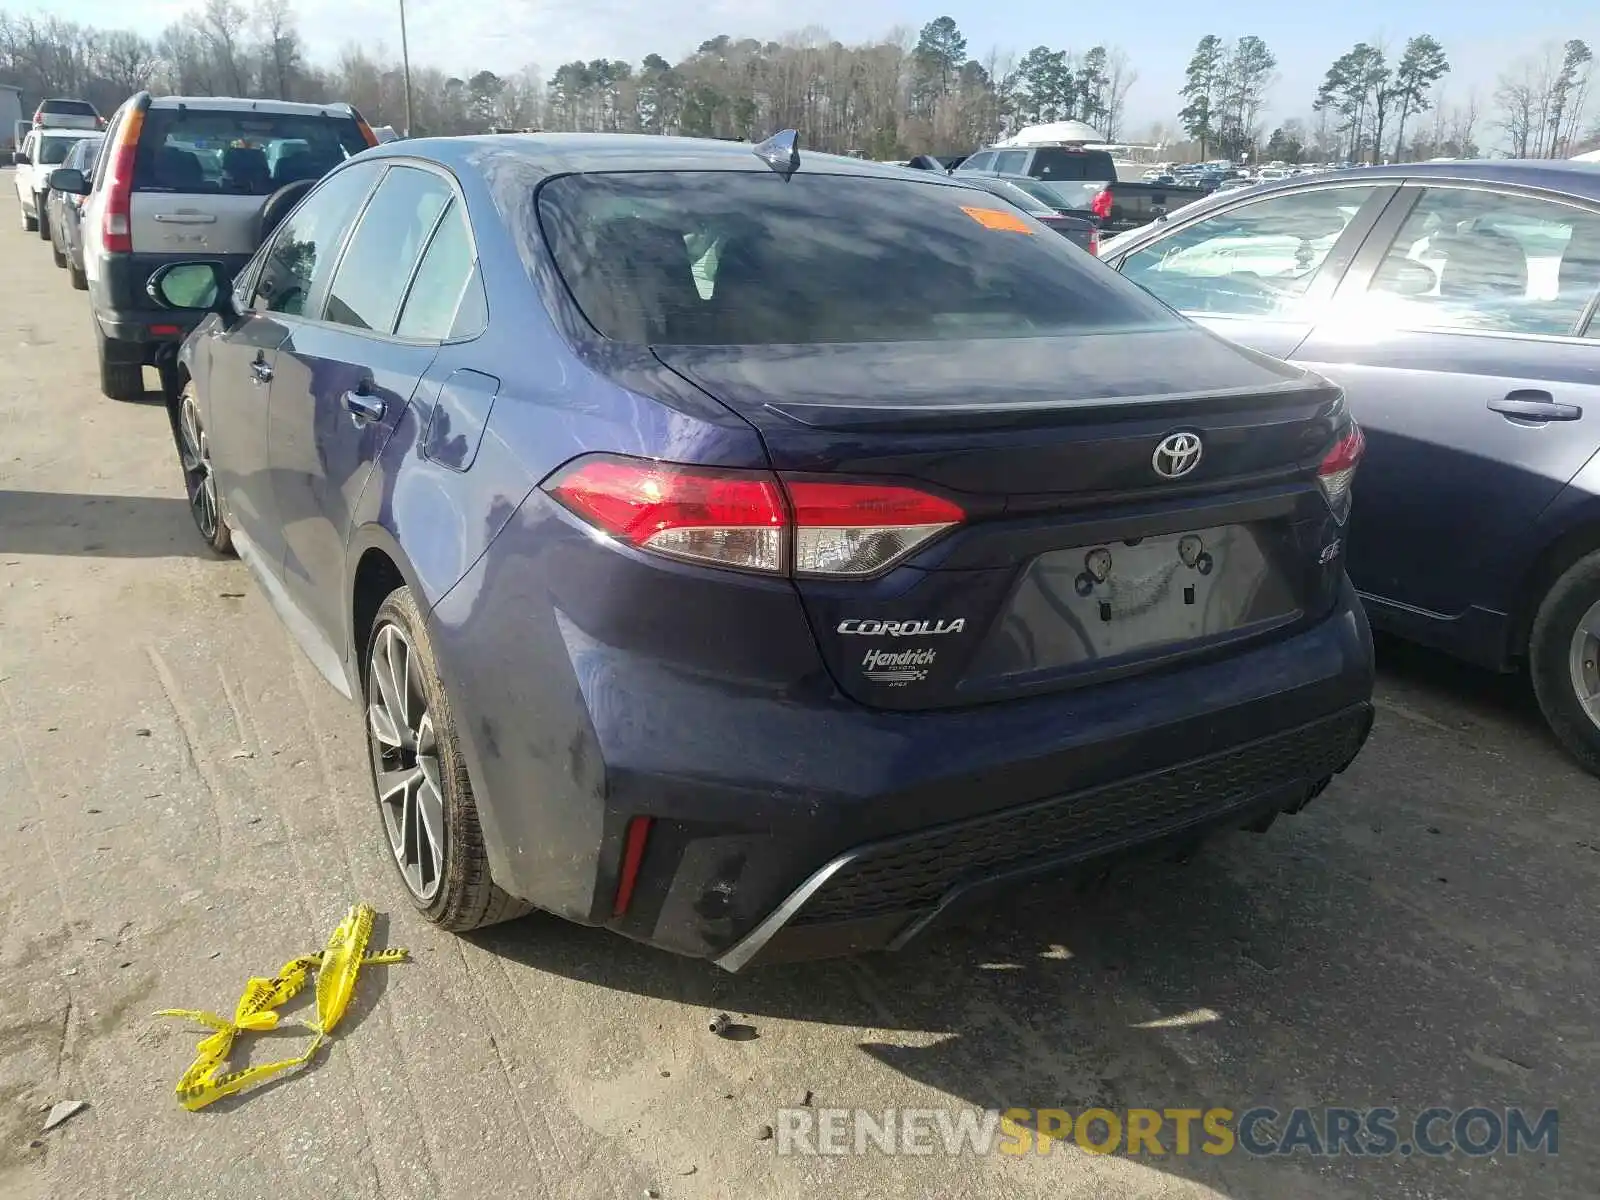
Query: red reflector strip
x=165, y=330
x=867, y=505
x=632, y=856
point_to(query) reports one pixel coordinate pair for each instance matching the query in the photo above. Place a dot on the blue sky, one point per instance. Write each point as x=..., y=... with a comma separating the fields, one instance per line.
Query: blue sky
x=1480, y=37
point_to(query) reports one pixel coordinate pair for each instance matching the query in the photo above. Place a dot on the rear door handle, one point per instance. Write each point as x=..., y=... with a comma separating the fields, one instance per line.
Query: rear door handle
x=364, y=408
x=1534, y=405
x=262, y=370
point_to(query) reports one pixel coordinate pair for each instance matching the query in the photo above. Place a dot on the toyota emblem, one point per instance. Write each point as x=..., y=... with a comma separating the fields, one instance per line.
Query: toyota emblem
x=1176, y=455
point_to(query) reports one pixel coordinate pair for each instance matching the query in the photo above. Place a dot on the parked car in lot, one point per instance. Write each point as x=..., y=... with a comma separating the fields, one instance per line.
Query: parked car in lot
x=1119, y=205
x=42, y=151
x=1081, y=231
x=183, y=177
x=1454, y=303
x=65, y=212
x=707, y=575
x=63, y=113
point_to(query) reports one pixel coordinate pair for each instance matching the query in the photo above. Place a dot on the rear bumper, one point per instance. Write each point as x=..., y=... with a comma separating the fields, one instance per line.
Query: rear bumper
x=788, y=821
x=881, y=895
x=135, y=329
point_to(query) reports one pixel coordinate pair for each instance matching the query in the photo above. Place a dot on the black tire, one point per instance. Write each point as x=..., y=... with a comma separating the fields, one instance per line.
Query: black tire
x=1551, y=660
x=118, y=380
x=75, y=276
x=464, y=895
x=42, y=221
x=199, y=484
x=56, y=256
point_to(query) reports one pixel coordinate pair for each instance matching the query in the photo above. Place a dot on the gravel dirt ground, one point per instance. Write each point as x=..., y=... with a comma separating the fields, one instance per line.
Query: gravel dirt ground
x=184, y=803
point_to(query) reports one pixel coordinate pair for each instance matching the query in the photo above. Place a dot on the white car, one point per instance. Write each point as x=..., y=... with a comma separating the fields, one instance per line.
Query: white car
x=42, y=151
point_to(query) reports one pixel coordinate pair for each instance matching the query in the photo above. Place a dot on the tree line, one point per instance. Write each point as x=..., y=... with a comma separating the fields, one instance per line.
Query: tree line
x=903, y=94
x=1373, y=106
x=894, y=97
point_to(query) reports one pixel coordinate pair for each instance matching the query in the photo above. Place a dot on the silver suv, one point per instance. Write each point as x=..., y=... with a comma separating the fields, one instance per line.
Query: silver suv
x=181, y=178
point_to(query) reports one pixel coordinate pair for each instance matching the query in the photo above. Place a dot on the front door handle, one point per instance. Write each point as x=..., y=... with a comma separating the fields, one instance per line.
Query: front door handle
x=1534, y=405
x=363, y=407
x=262, y=370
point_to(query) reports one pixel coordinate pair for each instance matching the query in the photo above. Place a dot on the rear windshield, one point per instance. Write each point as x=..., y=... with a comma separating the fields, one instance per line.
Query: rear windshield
x=689, y=258
x=75, y=108
x=1057, y=163
x=53, y=149
x=240, y=153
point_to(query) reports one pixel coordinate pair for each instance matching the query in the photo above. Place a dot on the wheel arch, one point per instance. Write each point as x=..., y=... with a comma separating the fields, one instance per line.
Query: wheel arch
x=1579, y=537
x=377, y=567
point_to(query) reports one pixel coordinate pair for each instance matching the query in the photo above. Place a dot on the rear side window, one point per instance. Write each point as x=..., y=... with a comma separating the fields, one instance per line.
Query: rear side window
x=195, y=150
x=689, y=258
x=1011, y=162
x=446, y=298
x=1060, y=163
x=372, y=277
x=978, y=162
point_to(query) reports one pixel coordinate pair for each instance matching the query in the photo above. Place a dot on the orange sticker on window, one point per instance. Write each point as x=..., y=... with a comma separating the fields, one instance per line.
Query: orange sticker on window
x=994, y=218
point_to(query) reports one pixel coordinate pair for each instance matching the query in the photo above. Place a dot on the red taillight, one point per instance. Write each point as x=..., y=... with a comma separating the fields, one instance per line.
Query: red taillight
x=731, y=518
x=1100, y=206
x=632, y=856
x=116, y=228
x=750, y=520
x=845, y=529
x=1338, y=469
x=1094, y=242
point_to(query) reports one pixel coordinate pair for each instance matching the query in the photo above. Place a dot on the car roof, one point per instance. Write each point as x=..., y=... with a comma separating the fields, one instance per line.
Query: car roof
x=568, y=153
x=235, y=104
x=1557, y=175
x=67, y=131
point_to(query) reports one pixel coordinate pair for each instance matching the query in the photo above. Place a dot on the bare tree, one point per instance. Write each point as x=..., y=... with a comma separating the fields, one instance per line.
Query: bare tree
x=1120, y=78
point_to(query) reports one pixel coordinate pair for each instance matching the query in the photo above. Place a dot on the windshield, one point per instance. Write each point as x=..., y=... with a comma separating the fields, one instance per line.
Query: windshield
x=53, y=149
x=242, y=153
x=689, y=258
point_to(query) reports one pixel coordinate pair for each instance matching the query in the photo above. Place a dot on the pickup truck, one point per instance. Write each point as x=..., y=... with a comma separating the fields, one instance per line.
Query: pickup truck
x=1088, y=178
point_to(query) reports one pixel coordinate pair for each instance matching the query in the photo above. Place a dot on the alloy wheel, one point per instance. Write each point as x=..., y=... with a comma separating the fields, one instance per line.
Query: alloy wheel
x=1583, y=661
x=405, y=762
x=201, y=483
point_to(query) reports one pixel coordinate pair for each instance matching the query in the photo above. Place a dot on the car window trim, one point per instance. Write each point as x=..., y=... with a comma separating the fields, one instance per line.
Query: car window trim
x=1336, y=266
x=1383, y=233
x=455, y=186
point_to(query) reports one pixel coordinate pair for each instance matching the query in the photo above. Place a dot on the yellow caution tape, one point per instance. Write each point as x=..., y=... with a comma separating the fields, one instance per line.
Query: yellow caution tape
x=336, y=967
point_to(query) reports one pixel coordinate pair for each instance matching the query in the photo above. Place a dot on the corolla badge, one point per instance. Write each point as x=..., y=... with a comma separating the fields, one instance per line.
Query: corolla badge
x=1177, y=454
x=870, y=628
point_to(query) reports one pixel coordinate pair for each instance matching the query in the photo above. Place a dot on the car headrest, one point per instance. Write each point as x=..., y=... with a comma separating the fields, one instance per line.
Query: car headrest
x=175, y=168
x=653, y=262
x=247, y=164
x=1481, y=263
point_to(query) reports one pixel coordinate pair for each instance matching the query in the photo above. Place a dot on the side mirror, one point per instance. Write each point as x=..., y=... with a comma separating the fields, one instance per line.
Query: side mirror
x=1405, y=277
x=69, y=180
x=20, y=159
x=191, y=286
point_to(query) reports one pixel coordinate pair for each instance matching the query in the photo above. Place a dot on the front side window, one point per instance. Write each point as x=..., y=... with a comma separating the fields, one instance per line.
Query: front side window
x=302, y=253
x=737, y=258
x=1490, y=262
x=978, y=162
x=371, y=280
x=1011, y=162
x=1258, y=259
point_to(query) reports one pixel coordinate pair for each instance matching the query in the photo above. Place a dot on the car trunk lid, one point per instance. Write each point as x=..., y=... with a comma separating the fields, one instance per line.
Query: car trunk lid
x=1078, y=557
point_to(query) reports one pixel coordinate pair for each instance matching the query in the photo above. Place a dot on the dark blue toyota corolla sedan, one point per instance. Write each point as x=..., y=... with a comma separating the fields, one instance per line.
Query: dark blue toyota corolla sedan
x=757, y=552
